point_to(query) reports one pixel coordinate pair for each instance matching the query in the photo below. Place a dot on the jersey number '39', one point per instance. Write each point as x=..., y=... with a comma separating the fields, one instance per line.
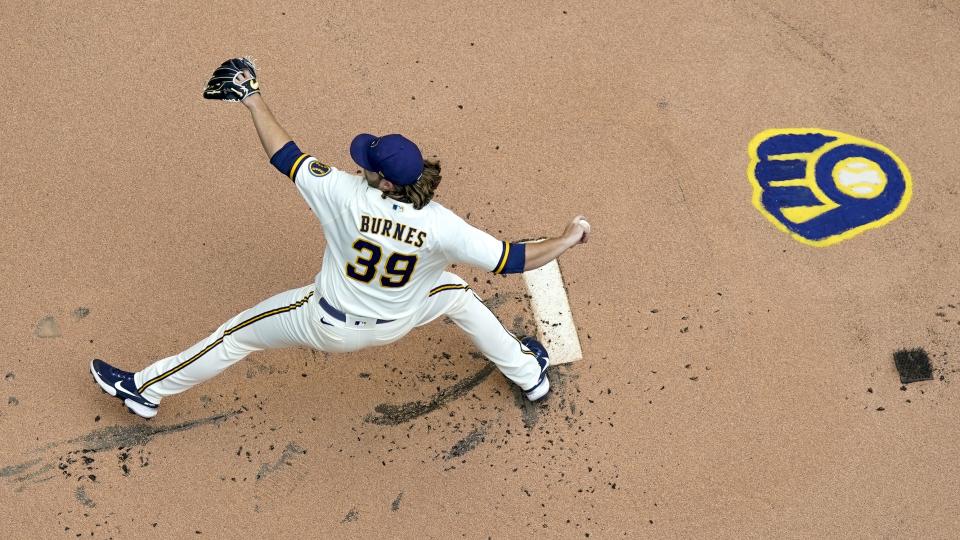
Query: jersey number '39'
x=397, y=270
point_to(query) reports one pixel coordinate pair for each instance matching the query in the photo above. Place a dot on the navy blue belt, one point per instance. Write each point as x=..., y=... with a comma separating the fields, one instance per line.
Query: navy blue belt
x=341, y=316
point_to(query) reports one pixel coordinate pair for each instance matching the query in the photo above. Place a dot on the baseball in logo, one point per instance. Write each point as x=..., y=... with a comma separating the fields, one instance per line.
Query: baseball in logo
x=823, y=187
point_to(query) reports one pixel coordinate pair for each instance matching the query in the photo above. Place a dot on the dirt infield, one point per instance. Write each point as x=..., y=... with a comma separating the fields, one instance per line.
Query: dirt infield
x=736, y=383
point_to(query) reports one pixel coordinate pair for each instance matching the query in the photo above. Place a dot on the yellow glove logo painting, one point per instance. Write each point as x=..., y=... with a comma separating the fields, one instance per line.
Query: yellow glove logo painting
x=822, y=186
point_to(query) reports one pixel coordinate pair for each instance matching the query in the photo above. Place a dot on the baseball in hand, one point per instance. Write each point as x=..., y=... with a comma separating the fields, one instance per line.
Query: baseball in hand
x=586, y=225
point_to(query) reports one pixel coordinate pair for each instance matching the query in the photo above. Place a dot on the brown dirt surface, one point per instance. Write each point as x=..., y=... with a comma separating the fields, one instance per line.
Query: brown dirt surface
x=735, y=384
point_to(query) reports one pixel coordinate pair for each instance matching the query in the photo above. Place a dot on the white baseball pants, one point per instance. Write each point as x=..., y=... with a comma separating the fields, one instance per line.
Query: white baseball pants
x=296, y=318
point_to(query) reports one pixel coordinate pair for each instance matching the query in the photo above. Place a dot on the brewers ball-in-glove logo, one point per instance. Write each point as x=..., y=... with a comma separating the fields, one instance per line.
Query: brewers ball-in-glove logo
x=824, y=186
x=319, y=169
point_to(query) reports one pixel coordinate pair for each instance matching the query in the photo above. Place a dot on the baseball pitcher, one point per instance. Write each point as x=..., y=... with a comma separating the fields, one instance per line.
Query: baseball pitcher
x=383, y=272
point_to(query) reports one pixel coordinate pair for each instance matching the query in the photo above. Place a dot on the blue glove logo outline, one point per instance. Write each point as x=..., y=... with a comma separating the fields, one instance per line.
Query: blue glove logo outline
x=822, y=186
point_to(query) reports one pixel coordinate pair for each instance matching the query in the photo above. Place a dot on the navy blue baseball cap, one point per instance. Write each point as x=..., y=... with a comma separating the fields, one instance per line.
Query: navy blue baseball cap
x=394, y=156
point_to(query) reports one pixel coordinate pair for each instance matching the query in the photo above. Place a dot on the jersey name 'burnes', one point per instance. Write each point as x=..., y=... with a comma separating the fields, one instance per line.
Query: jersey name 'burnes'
x=391, y=229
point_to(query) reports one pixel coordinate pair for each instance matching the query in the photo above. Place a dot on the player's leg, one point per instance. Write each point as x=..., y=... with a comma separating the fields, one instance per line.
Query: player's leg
x=452, y=297
x=283, y=320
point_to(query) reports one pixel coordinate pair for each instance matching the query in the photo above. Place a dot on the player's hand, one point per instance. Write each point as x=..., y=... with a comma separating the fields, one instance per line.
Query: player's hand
x=251, y=99
x=577, y=231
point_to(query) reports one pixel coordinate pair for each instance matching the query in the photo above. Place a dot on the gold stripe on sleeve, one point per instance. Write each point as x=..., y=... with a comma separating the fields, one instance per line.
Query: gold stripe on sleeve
x=503, y=258
x=296, y=165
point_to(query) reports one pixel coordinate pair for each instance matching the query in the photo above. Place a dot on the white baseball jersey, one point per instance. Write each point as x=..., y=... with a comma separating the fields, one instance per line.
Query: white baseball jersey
x=384, y=262
x=382, y=255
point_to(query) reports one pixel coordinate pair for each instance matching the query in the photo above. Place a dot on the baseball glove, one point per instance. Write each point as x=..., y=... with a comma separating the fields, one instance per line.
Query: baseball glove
x=224, y=84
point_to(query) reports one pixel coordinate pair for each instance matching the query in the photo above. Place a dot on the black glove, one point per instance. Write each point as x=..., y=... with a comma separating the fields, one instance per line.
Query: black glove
x=223, y=84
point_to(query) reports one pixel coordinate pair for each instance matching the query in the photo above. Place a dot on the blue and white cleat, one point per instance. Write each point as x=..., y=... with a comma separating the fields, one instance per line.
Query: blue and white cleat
x=543, y=386
x=119, y=383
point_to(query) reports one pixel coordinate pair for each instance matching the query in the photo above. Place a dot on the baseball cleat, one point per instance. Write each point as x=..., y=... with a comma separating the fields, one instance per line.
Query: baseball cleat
x=543, y=386
x=120, y=384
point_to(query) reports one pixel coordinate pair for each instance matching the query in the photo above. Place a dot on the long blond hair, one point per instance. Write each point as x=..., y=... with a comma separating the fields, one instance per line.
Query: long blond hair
x=419, y=193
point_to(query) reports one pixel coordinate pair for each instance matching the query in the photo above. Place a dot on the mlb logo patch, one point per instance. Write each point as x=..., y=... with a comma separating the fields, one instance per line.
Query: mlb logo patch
x=397, y=208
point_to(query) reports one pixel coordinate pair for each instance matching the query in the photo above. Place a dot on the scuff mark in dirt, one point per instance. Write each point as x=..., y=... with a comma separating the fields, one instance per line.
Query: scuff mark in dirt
x=33, y=475
x=256, y=367
x=560, y=377
x=139, y=434
x=109, y=438
x=813, y=41
x=11, y=470
x=351, y=516
x=529, y=411
x=522, y=325
x=292, y=450
x=934, y=5
x=498, y=299
x=83, y=498
x=395, y=505
x=17, y=470
x=392, y=415
x=468, y=443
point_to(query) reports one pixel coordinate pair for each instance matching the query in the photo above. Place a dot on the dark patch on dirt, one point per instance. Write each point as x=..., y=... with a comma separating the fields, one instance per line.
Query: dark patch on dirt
x=258, y=368
x=913, y=365
x=12, y=400
x=351, y=516
x=523, y=326
x=80, y=313
x=79, y=461
x=139, y=434
x=529, y=411
x=468, y=443
x=35, y=477
x=83, y=498
x=495, y=301
x=393, y=415
x=12, y=470
x=395, y=505
x=517, y=326
x=9, y=376
x=292, y=450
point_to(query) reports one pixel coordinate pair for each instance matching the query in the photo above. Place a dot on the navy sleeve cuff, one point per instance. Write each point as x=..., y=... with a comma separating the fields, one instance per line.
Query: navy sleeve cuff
x=513, y=259
x=288, y=159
